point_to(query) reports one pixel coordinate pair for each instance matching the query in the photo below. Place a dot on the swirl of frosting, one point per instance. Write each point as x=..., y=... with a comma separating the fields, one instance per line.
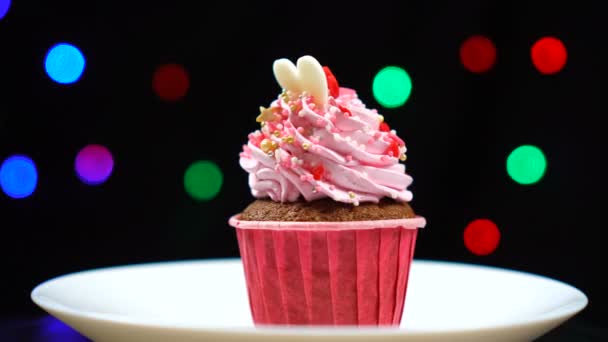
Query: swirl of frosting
x=341, y=150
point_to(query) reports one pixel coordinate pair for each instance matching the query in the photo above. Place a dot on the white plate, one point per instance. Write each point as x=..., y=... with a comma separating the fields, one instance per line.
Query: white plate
x=207, y=301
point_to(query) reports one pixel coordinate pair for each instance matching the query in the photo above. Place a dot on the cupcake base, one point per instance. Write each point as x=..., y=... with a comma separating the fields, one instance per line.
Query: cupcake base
x=327, y=273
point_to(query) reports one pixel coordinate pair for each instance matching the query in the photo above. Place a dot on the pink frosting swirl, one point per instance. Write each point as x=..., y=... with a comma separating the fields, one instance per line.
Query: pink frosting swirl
x=342, y=151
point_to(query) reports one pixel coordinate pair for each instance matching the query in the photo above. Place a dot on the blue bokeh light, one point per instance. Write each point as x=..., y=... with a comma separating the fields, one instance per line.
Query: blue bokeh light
x=4, y=6
x=53, y=330
x=64, y=63
x=18, y=176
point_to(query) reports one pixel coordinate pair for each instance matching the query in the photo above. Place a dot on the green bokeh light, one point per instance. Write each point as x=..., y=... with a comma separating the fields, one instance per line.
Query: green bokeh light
x=392, y=87
x=526, y=164
x=203, y=180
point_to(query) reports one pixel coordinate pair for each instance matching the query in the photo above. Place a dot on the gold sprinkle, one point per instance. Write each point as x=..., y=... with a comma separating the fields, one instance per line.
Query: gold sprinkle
x=288, y=139
x=305, y=146
x=268, y=146
x=285, y=96
x=351, y=194
x=263, y=123
x=403, y=157
x=266, y=114
x=293, y=108
x=276, y=133
x=381, y=117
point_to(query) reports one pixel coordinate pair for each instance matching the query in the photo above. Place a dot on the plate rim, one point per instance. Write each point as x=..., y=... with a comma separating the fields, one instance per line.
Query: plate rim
x=563, y=312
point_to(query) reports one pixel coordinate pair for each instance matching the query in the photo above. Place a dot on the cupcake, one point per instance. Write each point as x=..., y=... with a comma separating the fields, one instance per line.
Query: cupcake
x=330, y=237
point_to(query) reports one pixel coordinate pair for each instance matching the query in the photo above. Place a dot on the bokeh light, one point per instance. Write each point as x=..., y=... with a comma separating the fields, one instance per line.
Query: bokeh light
x=18, y=176
x=203, y=180
x=94, y=164
x=64, y=63
x=549, y=55
x=478, y=54
x=170, y=82
x=51, y=329
x=4, y=6
x=392, y=87
x=526, y=164
x=481, y=237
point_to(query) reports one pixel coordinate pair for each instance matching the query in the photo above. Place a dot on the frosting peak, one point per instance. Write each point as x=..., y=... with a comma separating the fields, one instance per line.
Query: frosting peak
x=319, y=144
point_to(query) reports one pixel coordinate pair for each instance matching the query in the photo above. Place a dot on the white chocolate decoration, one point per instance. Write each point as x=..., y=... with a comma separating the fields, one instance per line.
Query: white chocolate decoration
x=307, y=77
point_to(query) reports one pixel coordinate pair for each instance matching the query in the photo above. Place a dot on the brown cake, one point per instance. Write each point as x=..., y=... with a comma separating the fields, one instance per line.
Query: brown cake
x=325, y=210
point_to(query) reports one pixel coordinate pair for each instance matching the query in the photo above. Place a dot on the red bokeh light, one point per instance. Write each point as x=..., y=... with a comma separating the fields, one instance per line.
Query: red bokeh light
x=549, y=55
x=171, y=82
x=481, y=236
x=478, y=54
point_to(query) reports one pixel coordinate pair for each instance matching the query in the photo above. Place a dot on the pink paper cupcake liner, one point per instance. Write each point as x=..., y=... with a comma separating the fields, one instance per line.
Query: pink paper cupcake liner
x=327, y=273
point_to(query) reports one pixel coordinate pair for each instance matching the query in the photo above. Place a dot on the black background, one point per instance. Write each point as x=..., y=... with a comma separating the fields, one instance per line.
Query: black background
x=459, y=128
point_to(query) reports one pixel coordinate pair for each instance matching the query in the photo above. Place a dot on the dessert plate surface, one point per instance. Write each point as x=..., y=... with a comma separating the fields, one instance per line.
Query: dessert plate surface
x=207, y=301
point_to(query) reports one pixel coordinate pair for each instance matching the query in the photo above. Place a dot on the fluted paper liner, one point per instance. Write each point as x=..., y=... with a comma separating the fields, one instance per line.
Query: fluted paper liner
x=327, y=273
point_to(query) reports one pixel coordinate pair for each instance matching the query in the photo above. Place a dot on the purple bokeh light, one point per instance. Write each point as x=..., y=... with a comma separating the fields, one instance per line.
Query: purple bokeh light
x=94, y=164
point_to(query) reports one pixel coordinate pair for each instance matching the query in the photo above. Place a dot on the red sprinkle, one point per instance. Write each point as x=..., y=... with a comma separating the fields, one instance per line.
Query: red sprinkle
x=393, y=149
x=317, y=171
x=345, y=111
x=384, y=127
x=332, y=83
